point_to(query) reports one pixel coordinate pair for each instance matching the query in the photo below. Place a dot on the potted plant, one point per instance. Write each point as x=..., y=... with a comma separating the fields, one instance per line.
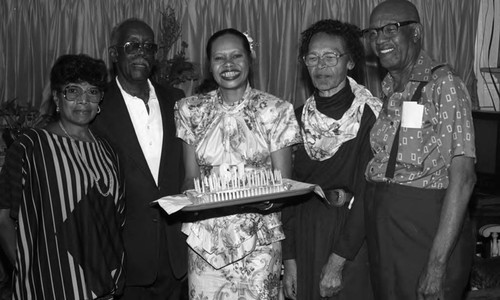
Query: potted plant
x=176, y=70
x=14, y=118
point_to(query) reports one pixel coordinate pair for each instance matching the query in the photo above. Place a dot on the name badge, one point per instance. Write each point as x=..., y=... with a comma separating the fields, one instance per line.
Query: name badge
x=412, y=114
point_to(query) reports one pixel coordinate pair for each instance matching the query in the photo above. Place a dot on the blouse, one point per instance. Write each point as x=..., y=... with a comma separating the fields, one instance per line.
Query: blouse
x=67, y=198
x=244, y=133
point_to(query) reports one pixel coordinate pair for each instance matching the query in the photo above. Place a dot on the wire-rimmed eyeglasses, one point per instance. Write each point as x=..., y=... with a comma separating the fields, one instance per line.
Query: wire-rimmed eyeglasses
x=389, y=30
x=73, y=92
x=330, y=59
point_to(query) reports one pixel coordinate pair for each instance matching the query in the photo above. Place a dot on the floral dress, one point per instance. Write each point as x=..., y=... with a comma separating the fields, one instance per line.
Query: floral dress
x=236, y=256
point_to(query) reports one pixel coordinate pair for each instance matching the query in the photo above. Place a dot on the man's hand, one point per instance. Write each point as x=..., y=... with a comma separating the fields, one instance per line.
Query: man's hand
x=462, y=178
x=290, y=279
x=431, y=282
x=331, y=276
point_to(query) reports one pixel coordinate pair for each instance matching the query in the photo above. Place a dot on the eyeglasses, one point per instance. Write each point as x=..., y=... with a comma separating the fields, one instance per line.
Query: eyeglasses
x=330, y=59
x=73, y=92
x=134, y=47
x=389, y=30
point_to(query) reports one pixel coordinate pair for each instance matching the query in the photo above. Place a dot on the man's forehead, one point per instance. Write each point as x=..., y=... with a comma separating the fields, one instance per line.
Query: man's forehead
x=394, y=11
x=137, y=30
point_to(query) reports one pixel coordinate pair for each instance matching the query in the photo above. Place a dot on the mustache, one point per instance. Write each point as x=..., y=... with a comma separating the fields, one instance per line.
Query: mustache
x=141, y=61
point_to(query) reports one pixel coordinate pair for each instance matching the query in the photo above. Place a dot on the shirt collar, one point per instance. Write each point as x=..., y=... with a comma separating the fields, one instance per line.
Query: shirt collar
x=152, y=92
x=419, y=73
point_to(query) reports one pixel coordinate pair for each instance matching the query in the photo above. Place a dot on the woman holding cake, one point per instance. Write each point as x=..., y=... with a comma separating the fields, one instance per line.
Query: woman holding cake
x=335, y=125
x=234, y=126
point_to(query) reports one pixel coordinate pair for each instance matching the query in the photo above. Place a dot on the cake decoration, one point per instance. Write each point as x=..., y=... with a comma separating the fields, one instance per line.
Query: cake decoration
x=235, y=184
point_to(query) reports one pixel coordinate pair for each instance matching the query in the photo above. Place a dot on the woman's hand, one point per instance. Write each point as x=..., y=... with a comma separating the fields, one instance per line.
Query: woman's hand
x=290, y=279
x=331, y=276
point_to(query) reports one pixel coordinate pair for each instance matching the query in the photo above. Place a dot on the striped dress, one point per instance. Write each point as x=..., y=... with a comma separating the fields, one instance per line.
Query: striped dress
x=68, y=202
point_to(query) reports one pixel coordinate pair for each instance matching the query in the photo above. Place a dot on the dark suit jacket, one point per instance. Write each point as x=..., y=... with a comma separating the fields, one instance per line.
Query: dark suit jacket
x=145, y=225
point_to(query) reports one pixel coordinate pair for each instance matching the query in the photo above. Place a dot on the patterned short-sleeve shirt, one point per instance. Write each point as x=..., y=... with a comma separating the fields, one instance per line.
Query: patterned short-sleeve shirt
x=425, y=153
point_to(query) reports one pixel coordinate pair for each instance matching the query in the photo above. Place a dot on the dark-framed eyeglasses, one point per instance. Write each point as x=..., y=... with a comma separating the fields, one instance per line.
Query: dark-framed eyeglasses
x=330, y=59
x=73, y=92
x=134, y=47
x=389, y=30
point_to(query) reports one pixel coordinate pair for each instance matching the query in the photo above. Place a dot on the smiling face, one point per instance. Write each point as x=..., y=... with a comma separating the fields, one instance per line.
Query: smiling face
x=79, y=112
x=329, y=80
x=398, y=52
x=137, y=67
x=229, y=62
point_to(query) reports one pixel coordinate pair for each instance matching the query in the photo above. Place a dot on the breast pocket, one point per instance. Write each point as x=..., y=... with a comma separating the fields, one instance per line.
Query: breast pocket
x=416, y=144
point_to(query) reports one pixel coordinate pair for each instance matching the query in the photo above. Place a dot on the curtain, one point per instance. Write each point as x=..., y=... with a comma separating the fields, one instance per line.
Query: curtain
x=33, y=33
x=487, y=60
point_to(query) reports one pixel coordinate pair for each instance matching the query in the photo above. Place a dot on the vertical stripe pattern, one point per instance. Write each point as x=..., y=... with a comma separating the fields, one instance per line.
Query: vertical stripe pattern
x=70, y=215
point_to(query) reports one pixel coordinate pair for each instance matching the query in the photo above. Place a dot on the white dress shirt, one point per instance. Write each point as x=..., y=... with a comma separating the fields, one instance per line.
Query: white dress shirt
x=148, y=126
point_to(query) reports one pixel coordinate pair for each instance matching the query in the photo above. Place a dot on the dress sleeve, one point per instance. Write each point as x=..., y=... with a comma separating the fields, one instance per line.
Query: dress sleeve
x=183, y=126
x=353, y=235
x=284, y=131
x=11, y=178
x=120, y=207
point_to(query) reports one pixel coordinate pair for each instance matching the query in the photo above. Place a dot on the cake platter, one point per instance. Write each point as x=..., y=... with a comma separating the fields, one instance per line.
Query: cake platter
x=182, y=202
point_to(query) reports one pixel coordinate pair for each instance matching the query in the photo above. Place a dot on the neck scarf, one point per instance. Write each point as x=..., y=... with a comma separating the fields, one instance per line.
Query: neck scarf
x=323, y=134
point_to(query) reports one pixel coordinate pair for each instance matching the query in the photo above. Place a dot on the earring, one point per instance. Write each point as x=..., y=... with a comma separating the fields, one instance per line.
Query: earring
x=58, y=109
x=98, y=109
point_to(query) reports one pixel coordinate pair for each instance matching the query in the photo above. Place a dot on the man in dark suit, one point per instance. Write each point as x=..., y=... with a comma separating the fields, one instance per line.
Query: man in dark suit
x=137, y=118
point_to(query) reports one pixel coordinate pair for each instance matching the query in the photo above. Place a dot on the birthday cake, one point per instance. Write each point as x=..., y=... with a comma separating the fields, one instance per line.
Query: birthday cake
x=236, y=185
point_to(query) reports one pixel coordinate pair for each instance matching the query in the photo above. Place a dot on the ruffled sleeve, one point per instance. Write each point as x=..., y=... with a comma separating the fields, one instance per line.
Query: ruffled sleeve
x=183, y=125
x=278, y=118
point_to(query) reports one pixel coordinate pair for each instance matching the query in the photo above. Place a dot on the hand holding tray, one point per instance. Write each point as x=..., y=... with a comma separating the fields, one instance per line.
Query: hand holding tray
x=182, y=202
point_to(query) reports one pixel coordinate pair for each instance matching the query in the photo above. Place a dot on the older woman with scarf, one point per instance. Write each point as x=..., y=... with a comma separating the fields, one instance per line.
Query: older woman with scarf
x=323, y=252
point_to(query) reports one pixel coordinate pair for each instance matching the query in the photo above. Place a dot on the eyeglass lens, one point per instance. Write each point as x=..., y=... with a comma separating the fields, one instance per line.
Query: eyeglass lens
x=388, y=30
x=134, y=47
x=72, y=93
x=330, y=59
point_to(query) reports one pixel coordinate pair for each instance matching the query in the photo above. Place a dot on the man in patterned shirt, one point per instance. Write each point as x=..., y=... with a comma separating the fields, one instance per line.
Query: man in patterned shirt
x=422, y=173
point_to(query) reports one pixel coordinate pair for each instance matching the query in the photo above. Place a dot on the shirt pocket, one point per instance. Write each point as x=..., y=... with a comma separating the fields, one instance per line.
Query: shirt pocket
x=416, y=145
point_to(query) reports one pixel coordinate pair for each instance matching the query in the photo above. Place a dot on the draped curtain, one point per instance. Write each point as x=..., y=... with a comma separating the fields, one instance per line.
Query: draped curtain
x=34, y=33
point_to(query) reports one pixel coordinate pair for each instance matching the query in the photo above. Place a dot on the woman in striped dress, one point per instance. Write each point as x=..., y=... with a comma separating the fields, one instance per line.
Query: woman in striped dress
x=61, y=197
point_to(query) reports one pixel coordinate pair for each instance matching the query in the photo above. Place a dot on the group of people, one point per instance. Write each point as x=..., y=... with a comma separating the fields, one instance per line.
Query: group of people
x=76, y=220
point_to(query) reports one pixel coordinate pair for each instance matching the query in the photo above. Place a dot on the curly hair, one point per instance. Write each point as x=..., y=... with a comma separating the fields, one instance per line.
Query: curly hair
x=209, y=83
x=77, y=68
x=349, y=33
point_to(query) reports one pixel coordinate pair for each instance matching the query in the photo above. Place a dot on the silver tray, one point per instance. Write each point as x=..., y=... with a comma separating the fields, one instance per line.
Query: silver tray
x=248, y=200
x=296, y=188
